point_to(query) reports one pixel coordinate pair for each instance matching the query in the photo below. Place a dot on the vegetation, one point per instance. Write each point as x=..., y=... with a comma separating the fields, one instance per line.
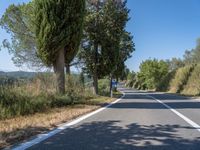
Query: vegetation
x=175, y=75
x=18, y=22
x=193, y=84
x=48, y=34
x=38, y=95
x=104, y=24
x=180, y=80
x=152, y=72
x=58, y=33
x=101, y=27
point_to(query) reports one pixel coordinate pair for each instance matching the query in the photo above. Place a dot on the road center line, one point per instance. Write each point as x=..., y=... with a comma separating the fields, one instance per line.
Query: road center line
x=192, y=123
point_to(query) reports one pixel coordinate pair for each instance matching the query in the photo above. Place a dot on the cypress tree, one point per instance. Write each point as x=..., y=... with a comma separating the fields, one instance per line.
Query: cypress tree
x=58, y=28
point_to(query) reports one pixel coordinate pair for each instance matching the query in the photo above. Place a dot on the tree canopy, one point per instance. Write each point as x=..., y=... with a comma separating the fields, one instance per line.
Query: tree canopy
x=152, y=72
x=18, y=22
x=58, y=30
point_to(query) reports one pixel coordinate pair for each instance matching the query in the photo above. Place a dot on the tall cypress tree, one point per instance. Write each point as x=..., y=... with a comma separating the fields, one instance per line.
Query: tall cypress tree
x=115, y=21
x=58, y=27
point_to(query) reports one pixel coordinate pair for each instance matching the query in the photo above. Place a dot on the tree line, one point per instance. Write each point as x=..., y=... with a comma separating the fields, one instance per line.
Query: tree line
x=61, y=33
x=161, y=75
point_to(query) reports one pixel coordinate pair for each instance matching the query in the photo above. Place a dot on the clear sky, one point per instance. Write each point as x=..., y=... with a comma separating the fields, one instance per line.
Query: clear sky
x=162, y=29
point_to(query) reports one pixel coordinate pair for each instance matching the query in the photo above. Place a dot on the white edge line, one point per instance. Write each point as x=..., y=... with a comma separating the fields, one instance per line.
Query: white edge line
x=192, y=123
x=42, y=137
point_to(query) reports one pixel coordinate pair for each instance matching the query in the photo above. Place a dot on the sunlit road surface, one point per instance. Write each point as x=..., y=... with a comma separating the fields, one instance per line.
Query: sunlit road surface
x=140, y=121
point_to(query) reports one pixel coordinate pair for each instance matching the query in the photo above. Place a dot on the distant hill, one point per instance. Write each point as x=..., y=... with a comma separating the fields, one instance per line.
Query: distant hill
x=18, y=74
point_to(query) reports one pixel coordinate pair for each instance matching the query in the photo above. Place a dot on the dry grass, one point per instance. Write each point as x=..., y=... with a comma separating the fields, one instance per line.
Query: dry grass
x=180, y=79
x=23, y=127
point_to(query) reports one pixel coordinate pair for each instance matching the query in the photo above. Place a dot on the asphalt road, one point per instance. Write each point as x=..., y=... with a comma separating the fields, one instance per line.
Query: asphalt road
x=137, y=122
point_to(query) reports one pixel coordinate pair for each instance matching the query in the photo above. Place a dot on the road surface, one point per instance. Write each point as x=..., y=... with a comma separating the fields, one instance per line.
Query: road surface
x=140, y=121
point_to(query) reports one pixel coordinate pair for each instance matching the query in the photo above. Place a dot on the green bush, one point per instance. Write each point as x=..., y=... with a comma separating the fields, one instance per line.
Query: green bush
x=193, y=85
x=180, y=79
x=40, y=95
x=164, y=84
x=104, y=87
x=150, y=74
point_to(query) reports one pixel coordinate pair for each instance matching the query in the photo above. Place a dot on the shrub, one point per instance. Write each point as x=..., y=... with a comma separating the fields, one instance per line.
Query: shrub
x=180, y=79
x=39, y=95
x=104, y=87
x=193, y=85
x=164, y=84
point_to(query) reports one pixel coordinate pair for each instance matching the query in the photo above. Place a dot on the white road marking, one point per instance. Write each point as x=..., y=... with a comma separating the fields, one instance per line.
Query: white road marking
x=42, y=137
x=192, y=123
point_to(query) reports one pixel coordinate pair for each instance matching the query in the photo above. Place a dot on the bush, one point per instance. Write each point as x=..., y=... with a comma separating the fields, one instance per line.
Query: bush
x=193, y=85
x=150, y=74
x=39, y=95
x=104, y=87
x=180, y=79
x=164, y=84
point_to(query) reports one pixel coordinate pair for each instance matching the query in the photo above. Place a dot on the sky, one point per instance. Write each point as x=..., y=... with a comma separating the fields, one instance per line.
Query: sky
x=162, y=29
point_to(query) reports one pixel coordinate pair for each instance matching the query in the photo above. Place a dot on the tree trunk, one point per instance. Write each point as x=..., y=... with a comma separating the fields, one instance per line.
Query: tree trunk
x=95, y=74
x=111, y=95
x=59, y=71
x=67, y=67
x=95, y=85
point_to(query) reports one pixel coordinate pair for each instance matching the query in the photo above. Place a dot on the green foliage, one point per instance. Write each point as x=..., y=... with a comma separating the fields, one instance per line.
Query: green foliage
x=18, y=22
x=131, y=79
x=180, y=79
x=115, y=18
x=139, y=83
x=151, y=73
x=39, y=95
x=192, y=56
x=126, y=48
x=164, y=84
x=193, y=84
x=56, y=23
x=104, y=85
x=175, y=63
x=106, y=44
x=82, y=78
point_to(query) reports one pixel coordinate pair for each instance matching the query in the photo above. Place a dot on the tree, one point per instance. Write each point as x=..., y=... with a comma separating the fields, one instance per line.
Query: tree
x=114, y=55
x=18, y=22
x=82, y=78
x=175, y=63
x=152, y=72
x=192, y=56
x=115, y=18
x=104, y=28
x=126, y=49
x=91, y=44
x=57, y=24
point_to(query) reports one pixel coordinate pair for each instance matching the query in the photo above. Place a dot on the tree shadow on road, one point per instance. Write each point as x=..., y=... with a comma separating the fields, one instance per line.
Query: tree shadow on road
x=143, y=101
x=110, y=135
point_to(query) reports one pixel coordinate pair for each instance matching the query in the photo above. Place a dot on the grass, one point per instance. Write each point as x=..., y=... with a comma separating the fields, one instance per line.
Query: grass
x=22, y=127
x=39, y=95
x=180, y=79
x=32, y=107
x=193, y=85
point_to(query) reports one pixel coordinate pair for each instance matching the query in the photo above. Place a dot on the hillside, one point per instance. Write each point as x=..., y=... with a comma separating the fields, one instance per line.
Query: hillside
x=17, y=74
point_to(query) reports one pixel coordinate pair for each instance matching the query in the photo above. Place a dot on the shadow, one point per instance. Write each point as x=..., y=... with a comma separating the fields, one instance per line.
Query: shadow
x=111, y=135
x=136, y=97
x=16, y=137
x=138, y=92
x=143, y=101
x=155, y=105
x=170, y=97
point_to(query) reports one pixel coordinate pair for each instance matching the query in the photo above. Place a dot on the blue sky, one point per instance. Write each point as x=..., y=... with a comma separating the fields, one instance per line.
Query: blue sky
x=162, y=29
